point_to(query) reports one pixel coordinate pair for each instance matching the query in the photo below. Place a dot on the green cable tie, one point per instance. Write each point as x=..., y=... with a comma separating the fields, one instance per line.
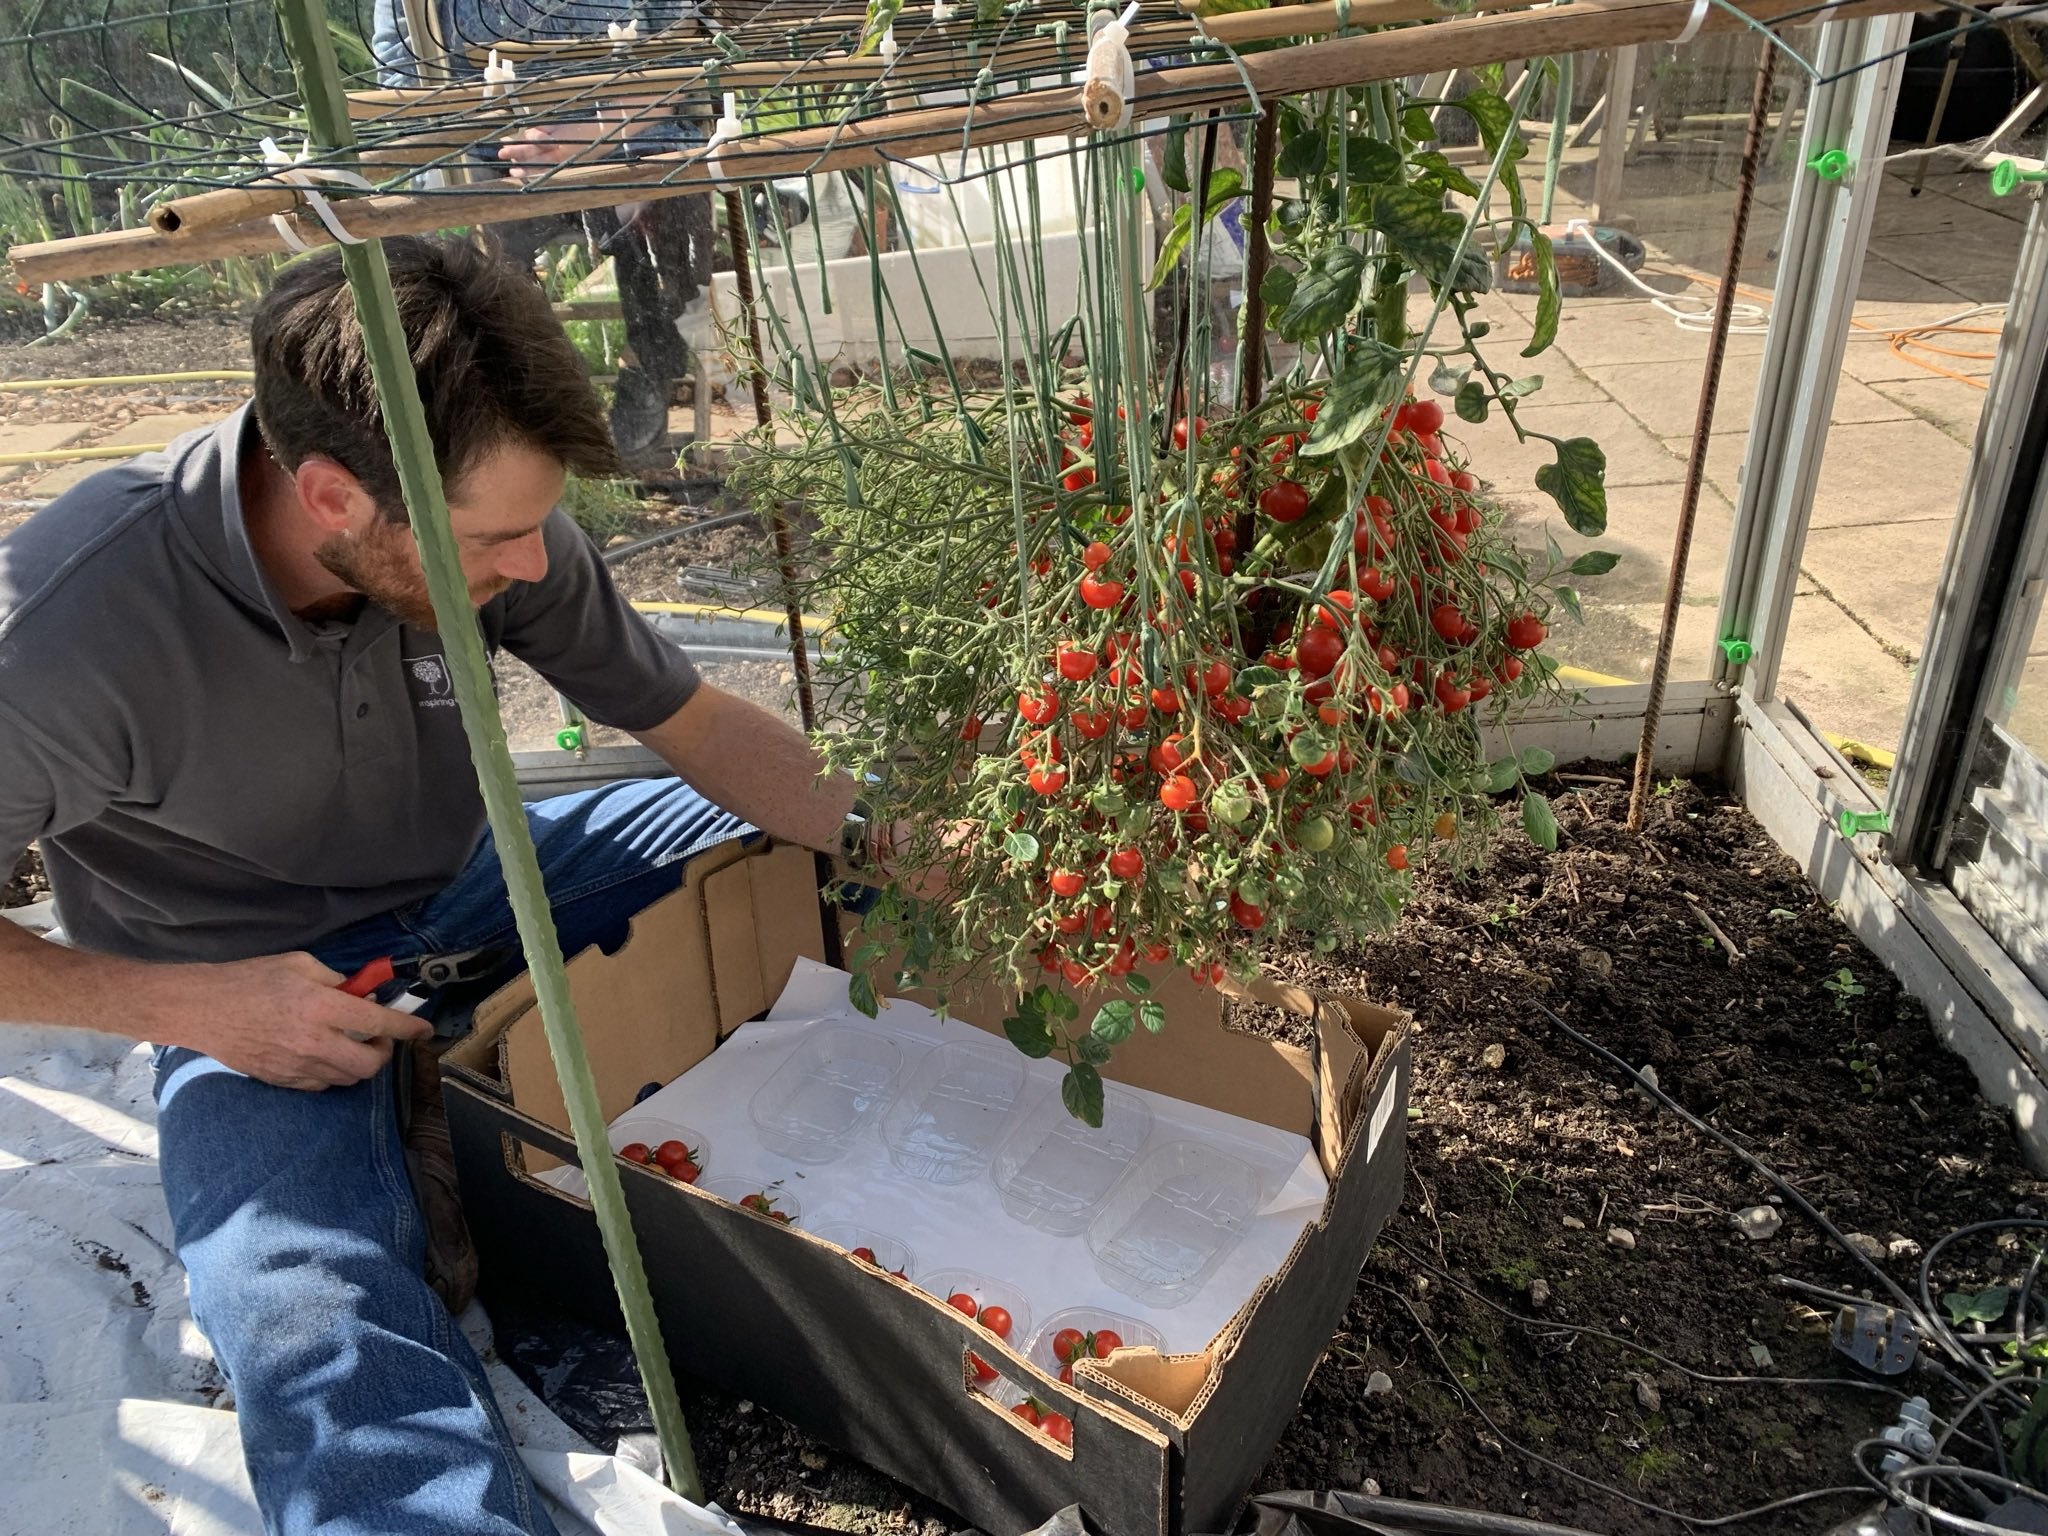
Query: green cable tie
x=1830, y=164
x=1854, y=823
x=1740, y=652
x=570, y=738
x=2007, y=176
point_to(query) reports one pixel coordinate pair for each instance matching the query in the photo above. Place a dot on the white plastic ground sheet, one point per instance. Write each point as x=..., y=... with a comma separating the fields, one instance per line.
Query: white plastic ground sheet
x=111, y=1416
x=965, y=1225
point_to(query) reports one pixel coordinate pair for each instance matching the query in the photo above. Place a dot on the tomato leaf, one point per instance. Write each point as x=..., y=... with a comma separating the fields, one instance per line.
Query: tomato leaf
x=1438, y=171
x=1536, y=759
x=1577, y=482
x=1444, y=379
x=1595, y=562
x=1516, y=389
x=1224, y=188
x=882, y=16
x=866, y=955
x=1225, y=7
x=1152, y=1014
x=1327, y=290
x=1416, y=124
x=1549, y=297
x=1568, y=599
x=1093, y=1049
x=860, y=992
x=1368, y=160
x=1081, y=1092
x=1352, y=407
x=1173, y=169
x=1472, y=403
x=1059, y=1005
x=1277, y=289
x=1551, y=548
x=1427, y=235
x=1141, y=985
x=1021, y=846
x=1539, y=822
x=1258, y=677
x=1502, y=776
x=1114, y=1022
x=1029, y=1032
x=1304, y=153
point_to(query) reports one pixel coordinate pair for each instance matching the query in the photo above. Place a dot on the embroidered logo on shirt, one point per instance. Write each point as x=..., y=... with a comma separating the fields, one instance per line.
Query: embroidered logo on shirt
x=432, y=687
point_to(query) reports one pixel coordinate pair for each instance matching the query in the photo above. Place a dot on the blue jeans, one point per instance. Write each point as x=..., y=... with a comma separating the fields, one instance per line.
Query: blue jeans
x=363, y=1409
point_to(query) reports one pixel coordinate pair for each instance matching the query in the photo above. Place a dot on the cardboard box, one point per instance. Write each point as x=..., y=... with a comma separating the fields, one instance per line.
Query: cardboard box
x=1163, y=1445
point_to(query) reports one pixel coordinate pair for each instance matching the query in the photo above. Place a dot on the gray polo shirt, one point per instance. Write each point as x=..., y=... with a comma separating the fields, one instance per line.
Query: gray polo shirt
x=213, y=778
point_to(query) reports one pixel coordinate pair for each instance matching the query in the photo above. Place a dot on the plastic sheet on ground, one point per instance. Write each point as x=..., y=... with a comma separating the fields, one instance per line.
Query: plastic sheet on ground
x=114, y=1418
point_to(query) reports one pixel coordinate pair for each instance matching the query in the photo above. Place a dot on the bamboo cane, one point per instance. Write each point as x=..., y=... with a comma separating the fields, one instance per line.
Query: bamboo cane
x=412, y=451
x=1578, y=26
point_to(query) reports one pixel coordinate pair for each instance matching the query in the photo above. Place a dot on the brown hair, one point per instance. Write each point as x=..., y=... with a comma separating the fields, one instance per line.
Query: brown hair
x=494, y=367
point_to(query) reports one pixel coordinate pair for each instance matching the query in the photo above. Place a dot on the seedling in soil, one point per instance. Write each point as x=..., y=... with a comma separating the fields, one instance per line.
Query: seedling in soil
x=1845, y=987
x=1986, y=1306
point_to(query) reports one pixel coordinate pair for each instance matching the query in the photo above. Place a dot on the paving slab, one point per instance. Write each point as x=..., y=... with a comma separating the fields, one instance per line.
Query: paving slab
x=1886, y=282
x=1634, y=457
x=1664, y=397
x=1620, y=640
x=1840, y=677
x=1977, y=267
x=1642, y=524
x=1873, y=474
x=1602, y=332
x=1950, y=404
x=1885, y=576
x=39, y=437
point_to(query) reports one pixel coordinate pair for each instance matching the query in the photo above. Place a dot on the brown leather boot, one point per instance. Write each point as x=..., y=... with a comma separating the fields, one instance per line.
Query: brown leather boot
x=430, y=1159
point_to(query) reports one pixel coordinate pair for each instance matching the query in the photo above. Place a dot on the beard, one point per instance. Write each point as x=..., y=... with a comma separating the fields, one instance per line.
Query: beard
x=380, y=564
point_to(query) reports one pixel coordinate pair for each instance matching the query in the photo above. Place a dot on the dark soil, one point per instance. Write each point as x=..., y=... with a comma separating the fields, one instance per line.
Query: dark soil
x=1517, y=1172
x=27, y=884
x=100, y=347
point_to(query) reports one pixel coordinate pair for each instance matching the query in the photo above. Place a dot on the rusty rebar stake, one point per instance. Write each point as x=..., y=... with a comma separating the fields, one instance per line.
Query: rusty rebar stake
x=1258, y=252
x=1703, y=426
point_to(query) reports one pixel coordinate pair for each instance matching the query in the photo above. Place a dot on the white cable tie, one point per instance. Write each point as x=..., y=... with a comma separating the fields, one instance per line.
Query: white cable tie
x=302, y=178
x=1694, y=22
x=625, y=33
x=943, y=13
x=728, y=128
x=887, y=47
x=500, y=76
x=1109, y=61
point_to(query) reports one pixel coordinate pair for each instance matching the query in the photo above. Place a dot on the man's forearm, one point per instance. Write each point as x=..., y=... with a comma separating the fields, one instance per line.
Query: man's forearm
x=45, y=983
x=756, y=765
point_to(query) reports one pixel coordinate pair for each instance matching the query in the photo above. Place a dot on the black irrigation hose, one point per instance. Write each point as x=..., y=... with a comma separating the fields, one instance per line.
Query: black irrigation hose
x=1417, y=1515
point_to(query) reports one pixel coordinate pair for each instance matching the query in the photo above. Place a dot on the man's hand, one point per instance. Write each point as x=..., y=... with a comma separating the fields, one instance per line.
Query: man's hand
x=538, y=148
x=280, y=1020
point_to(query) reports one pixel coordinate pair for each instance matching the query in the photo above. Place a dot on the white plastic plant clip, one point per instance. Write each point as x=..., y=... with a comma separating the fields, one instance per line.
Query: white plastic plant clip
x=728, y=128
x=1112, y=79
x=887, y=47
x=622, y=32
x=500, y=75
x=291, y=170
x=943, y=13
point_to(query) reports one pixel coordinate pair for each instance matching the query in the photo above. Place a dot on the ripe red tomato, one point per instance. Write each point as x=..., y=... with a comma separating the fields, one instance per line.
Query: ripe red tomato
x=1424, y=417
x=1216, y=678
x=1127, y=864
x=970, y=728
x=1206, y=975
x=1480, y=686
x=1074, y=971
x=1450, y=695
x=1066, y=1345
x=1233, y=708
x=1165, y=756
x=1166, y=701
x=1178, y=792
x=1274, y=778
x=1059, y=1426
x=1075, y=663
x=1107, y=1339
x=996, y=1320
x=1526, y=632
x=1135, y=714
x=1319, y=651
x=1158, y=953
x=673, y=1154
x=1048, y=781
x=1097, y=555
x=1244, y=914
x=1049, y=958
x=1081, y=414
x=1071, y=922
x=1091, y=724
x=1464, y=480
x=1375, y=585
x=1066, y=882
x=1447, y=620
x=1397, y=856
x=1331, y=713
x=1322, y=767
x=1284, y=501
x=963, y=1303
x=1180, y=431
x=635, y=1152
x=1077, y=480
x=1039, y=708
x=1434, y=468
x=983, y=1371
x=1097, y=593
x=1028, y=1411
x=1510, y=668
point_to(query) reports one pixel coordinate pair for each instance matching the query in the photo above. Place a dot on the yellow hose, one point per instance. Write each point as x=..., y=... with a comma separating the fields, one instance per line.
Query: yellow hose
x=237, y=374
x=72, y=455
x=812, y=622
x=1861, y=752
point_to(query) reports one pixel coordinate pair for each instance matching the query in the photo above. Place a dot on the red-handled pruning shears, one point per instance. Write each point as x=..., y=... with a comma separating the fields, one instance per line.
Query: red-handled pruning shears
x=424, y=970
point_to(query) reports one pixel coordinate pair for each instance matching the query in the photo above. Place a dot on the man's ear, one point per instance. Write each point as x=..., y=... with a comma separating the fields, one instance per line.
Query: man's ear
x=334, y=499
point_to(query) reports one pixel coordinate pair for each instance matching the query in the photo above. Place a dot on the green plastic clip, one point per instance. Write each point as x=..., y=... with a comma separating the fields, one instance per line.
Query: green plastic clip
x=1137, y=178
x=1740, y=652
x=1856, y=823
x=1830, y=164
x=2006, y=178
x=571, y=738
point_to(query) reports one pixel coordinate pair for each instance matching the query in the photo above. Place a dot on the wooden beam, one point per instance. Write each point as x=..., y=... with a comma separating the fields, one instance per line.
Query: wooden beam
x=1326, y=65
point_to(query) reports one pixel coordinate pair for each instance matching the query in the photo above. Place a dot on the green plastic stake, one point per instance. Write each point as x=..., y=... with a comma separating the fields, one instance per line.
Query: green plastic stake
x=412, y=451
x=2006, y=178
x=1740, y=652
x=1830, y=164
x=1855, y=823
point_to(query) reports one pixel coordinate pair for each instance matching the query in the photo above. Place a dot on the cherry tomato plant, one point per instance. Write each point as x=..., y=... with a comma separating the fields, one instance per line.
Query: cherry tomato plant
x=1154, y=681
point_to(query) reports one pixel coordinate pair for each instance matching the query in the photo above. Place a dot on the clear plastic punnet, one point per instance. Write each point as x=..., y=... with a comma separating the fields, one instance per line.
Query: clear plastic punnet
x=985, y=1292
x=947, y=1121
x=1053, y=1171
x=870, y=1245
x=1177, y=1215
x=1098, y=1332
x=831, y=1086
x=767, y=1199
